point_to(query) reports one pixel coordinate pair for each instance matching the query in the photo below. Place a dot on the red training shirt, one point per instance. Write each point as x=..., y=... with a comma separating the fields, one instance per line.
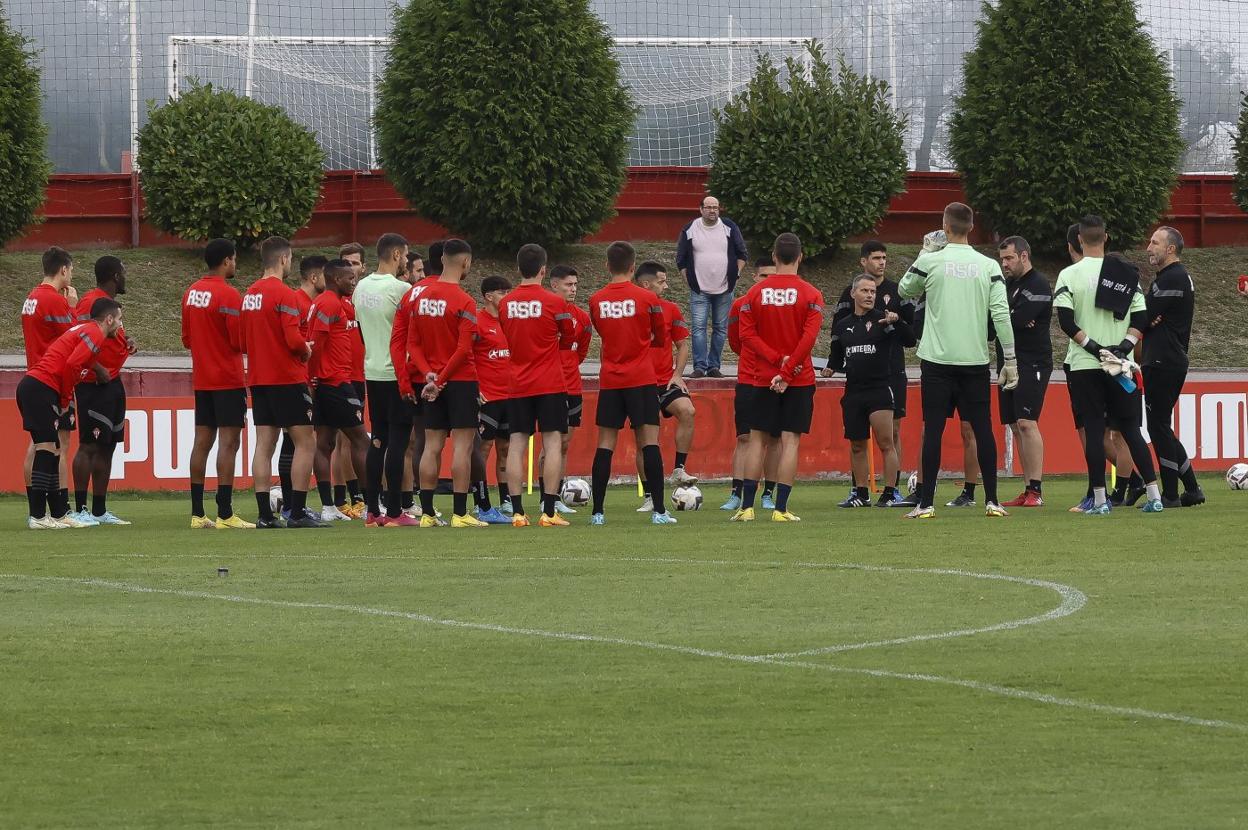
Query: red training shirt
x=67, y=361
x=745, y=359
x=212, y=330
x=781, y=318
x=573, y=358
x=441, y=333
x=304, y=304
x=357, y=340
x=538, y=324
x=629, y=321
x=46, y=315
x=113, y=351
x=403, y=370
x=492, y=357
x=276, y=351
x=675, y=329
x=331, y=340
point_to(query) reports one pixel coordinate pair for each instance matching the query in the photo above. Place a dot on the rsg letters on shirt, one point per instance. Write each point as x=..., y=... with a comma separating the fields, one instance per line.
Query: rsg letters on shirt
x=779, y=296
x=617, y=309
x=524, y=310
x=431, y=308
x=199, y=299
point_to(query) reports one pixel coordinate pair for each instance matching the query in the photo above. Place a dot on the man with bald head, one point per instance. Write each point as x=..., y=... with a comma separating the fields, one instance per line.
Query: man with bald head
x=710, y=254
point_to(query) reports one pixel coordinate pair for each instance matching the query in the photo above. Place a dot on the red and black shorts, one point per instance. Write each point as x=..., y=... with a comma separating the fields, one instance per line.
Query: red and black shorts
x=288, y=405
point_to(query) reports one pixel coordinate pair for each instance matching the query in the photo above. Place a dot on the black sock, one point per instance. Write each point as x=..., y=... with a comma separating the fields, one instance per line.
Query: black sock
x=460, y=503
x=1034, y=486
x=35, y=500
x=504, y=493
x=548, y=504
x=197, y=499
x=481, y=495
x=353, y=488
x=768, y=487
x=1188, y=477
x=861, y=492
x=969, y=489
x=652, y=461
x=409, y=499
x=1120, y=489
x=45, y=481
x=599, y=477
x=426, y=502
x=225, y=501
x=285, y=460
x=298, y=503
x=749, y=490
x=326, y=492
x=541, y=485
x=99, y=504
x=782, y=497
x=681, y=458
x=736, y=487
x=517, y=504
x=340, y=495
x=263, y=508
x=80, y=501
x=63, y=495
x=1134, y=481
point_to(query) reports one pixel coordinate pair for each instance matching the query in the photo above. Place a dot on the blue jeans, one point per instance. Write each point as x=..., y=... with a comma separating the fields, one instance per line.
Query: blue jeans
x=716, y=307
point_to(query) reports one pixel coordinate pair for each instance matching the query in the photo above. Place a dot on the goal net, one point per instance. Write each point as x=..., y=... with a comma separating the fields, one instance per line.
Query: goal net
x=330, y=85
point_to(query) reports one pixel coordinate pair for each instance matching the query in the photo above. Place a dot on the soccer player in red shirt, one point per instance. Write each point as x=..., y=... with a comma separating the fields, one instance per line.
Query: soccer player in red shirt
x=674, y=400
x=48, y=313
x=743, y=404
x=629, y=321
x=212, y=331
x=780, y=319
x=347, y=495
x=564, y=280
x=101, y=404
x=492, y=356
x=277, y=373
x=43, y=396
x=537, y=324
x=337, y=406
x=439, y=351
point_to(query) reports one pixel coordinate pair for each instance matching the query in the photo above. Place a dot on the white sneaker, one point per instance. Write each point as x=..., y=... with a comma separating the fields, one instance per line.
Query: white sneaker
x=109, y=519
x=647, y=506
x=682, y=478
x=85, y=517
x=330, y=513
x=560, y=507
x=46, y=523
x=68, y=521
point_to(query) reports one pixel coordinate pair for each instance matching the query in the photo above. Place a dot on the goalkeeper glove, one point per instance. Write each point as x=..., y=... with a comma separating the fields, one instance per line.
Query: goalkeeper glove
x=934, y=241
x=1008, y=376
x=1092, y=347
x=1125, y=348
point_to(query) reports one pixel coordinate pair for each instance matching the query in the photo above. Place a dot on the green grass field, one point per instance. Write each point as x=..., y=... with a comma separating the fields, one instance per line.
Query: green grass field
x=619, y=676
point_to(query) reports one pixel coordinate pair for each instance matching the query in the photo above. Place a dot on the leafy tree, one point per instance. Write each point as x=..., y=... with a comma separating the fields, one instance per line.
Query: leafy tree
x=216, y=164
x=24, y=165
x=1241, y=158
x=505, y=120
x=819, y=154
x=1070, y=117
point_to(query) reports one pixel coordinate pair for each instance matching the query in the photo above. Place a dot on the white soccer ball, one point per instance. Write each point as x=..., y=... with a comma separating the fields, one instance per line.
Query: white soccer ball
x=687, y=498
x=275, y=500
x=1237, y=477
x=575, y=492
x=913, y=483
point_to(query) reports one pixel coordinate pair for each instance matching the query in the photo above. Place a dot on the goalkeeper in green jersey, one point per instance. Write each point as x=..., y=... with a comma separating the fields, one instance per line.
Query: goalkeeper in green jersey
x=964, y=288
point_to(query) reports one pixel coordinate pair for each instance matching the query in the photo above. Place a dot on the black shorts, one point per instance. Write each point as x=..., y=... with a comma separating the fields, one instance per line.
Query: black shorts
x=900, y=384
x=576, y=406
x=455, y=407
x=338, y=407
x=964, y=389
x=668, y=395
x=788, y=411
x=102, y=412
x=285, y=406
x=40, y=406
x=493, y=421
x=1093, y=391
x=221, y=408
x=386, y=406
x=638, y=405
x=68, y=419
x=857, y=406
x=742, y=406
x=361, y=389
x=538, y=413
x=1026, y=400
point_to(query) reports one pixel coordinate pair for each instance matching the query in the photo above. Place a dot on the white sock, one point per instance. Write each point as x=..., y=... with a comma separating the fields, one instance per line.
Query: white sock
x=1153, y=491
x=1098, y=496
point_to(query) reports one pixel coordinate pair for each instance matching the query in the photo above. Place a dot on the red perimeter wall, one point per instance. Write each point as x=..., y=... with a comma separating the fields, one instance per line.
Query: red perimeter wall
x=104, y=210
x=1211, y=419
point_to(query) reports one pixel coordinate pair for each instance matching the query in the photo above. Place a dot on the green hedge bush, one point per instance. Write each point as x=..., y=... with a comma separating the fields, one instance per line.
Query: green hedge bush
x=1241, y=157
x=216, y=164
x=1067, y=109
x=24, y=165
x=819, y=156
x=505, y=120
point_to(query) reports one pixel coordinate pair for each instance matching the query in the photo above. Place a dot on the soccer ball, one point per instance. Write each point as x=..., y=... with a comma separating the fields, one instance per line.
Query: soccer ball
x=275, y=500
x=575, y=492
x=687, y=498
x=1237, y=477
x=913, y=482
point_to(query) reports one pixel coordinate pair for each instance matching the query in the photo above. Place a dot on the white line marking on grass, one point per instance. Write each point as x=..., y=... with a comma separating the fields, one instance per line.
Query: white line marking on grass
x=974, y=685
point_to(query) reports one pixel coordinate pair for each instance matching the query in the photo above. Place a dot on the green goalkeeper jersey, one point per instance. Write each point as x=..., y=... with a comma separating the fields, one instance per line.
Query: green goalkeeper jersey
x=1076, y=290
x=376, y=299
x=964, y=288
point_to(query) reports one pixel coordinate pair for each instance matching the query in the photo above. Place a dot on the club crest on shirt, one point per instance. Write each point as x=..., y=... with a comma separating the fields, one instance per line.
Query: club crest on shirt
x=309, y=414
x=95, y=433
x=869, y=324
x=886, y=299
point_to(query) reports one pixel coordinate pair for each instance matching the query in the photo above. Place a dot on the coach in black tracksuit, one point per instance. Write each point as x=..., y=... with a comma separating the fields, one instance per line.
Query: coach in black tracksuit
x=1171, y=303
